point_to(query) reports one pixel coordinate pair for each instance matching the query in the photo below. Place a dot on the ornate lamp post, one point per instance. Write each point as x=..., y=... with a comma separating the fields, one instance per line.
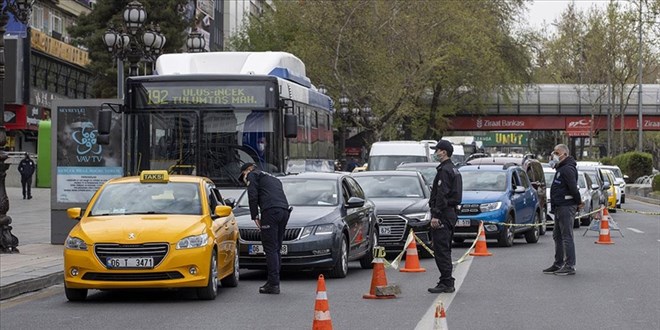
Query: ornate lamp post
x=195, y=42
x=135, y=42
x=21, y=10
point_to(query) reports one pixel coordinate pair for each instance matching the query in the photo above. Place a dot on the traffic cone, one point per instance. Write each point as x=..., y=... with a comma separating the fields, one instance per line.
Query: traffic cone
x=481, y=249
x=604, y=237
x=411, y=265
x=322, y=319
x=440, y=318
x=378, y=279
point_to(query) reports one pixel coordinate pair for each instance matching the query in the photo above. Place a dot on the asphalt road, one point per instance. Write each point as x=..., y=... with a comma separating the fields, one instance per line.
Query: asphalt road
x=616, y=287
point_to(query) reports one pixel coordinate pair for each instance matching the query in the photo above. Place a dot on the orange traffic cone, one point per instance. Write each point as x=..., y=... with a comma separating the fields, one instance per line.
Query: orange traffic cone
x=322, y=319
x=378, y=278
x=411, y=264
x=604, y=237
x=481, y=249
x=440, y=318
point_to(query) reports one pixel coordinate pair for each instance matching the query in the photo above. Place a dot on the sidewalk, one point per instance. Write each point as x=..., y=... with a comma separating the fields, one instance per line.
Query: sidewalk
x=39, y=263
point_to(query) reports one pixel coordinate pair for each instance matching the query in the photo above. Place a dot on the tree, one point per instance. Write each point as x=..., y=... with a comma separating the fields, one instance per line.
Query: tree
x=89, y=30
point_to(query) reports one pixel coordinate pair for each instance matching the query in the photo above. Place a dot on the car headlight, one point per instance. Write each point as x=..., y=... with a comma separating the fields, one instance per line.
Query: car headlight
x=326, y=229
x=75, y=243
x=193, y=241
x=421, y=217
x=306, y=231
x=488, y=207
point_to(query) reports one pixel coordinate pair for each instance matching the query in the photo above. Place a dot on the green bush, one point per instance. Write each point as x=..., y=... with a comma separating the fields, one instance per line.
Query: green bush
x=634, y=164
x=607, y=161
x=656, y=183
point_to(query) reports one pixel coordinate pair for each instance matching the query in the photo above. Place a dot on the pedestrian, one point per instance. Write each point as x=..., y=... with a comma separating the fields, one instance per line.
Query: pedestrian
x=266, y=196
x=352, y=164
x=26, y=168
x=446, y=195
x=565, y=201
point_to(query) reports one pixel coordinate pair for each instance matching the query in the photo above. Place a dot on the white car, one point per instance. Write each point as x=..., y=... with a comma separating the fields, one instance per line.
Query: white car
x=549, y=174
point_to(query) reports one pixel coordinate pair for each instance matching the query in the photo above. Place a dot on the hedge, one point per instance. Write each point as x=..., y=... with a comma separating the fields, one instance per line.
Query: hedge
x=634, y=164
x=656, y=183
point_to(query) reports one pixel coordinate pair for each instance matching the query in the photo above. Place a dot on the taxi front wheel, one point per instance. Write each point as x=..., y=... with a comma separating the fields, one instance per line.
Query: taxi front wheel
x=210, y=291
x=75, y=294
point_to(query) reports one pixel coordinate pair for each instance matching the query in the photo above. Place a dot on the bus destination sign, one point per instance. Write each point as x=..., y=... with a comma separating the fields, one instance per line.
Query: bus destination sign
x=155, y=95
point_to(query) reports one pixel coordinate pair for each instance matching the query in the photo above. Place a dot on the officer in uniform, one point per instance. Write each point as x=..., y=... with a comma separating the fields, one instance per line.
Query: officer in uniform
x=265, y=194
x=446, y=195
x=26, y=167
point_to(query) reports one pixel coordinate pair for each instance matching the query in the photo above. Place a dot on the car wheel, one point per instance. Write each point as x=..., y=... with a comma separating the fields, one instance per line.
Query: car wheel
x=231, y=281
x=366, y=261
x=340, y=270
x=505, y=238
x=210, y=291
x=75, y=294
x=532, y=236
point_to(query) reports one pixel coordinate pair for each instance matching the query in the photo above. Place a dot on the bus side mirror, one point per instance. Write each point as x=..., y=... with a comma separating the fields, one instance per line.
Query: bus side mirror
x=290, y=126
x=105, y=121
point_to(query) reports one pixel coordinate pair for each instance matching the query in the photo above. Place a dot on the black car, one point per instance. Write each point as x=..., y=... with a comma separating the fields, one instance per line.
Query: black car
x=331, y=223
x=402, y=203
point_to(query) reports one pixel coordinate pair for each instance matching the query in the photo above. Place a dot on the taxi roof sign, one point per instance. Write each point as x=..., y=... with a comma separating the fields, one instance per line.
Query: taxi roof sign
x=154, y=177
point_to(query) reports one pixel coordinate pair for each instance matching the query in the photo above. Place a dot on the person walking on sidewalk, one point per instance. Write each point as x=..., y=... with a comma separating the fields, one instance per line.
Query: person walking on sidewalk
x=565, y=200
x=265, y=194
x=446, y=195
x=26, y=168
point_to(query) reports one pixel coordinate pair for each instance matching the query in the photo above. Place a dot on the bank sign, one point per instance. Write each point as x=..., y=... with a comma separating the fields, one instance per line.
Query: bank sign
x=504, y=139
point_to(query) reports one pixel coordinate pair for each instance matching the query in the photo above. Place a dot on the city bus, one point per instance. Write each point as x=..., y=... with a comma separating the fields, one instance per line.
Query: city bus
x=209, y=113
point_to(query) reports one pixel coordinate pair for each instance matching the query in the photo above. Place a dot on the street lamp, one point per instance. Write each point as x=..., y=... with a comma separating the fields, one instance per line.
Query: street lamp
x=21, y=10
x=195, y=42
x=141, y=43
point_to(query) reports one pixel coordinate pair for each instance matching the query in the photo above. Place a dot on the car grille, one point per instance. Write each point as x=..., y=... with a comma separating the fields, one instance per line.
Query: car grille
x=254, y=235
x=158, y=251
x=469, y=209
x=397, y=226
x=119, y=277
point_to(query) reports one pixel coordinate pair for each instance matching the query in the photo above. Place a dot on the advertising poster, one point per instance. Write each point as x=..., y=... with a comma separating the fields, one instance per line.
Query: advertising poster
x=82, y=164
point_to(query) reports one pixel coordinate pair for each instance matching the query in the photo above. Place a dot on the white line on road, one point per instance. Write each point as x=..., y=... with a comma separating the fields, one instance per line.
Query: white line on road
x=635, y=230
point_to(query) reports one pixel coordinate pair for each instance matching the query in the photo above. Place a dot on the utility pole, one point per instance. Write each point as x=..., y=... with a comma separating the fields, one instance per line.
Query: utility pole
x=639, y=78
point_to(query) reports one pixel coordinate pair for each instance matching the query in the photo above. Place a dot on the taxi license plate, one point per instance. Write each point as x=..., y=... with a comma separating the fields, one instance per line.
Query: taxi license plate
x=130, y=262
x=259, y=249
x=385, y=230
x=463, y=223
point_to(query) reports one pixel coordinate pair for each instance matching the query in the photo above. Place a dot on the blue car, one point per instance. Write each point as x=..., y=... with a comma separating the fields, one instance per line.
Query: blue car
x=498, y=194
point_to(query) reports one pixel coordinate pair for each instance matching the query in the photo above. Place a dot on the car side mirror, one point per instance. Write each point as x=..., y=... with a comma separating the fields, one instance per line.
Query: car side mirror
x=519, y=190
x=231, y=202
x=594, y=186
x=606, y=186
x=222, y=211
x=74, y=213
x=625, y=177
x=354, y=202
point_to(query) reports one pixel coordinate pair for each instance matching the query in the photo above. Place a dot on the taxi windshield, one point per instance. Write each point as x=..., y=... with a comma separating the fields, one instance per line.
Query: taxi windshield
x=150, y=198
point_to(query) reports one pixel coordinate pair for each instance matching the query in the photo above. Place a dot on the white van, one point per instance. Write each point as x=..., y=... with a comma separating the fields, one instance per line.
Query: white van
x=387, y=155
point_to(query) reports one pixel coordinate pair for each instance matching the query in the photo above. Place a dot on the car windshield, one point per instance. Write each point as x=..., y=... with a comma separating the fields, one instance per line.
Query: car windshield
x=581, y=182
x=388, y=186
x=549, y=177
x=387, y=163
x=616, y=171
x=310, y=192
x=427, y=172
x=484, y=180
x=150, y=198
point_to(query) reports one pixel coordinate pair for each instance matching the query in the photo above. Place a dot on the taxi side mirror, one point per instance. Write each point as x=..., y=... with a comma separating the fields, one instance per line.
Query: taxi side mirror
x=222, y=211
x=74, y=213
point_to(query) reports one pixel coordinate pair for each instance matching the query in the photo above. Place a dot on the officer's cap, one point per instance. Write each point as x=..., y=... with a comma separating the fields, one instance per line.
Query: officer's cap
x=444, y=145
x=243, y=168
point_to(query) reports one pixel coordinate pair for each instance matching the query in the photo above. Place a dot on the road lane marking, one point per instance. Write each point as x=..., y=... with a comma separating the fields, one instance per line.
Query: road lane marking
x=459, y=274
x=635, y=230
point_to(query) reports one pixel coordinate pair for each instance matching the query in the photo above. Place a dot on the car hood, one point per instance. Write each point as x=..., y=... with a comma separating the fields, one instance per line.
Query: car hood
x=300, y=216
x=400, y=205
x=478, y=197
x=144, y=228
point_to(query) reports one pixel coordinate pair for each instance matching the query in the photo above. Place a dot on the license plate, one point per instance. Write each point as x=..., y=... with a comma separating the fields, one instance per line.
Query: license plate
x=259, y=249
x=130, y=262
x=463, y=223
x=385, y=230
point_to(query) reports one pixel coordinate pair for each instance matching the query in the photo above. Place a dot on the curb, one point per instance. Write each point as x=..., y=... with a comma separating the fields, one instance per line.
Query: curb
x=29, y=285
x=644, y=199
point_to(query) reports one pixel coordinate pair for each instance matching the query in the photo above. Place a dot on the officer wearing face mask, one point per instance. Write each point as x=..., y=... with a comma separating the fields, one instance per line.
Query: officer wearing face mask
x=266, y=196
x=446, y=195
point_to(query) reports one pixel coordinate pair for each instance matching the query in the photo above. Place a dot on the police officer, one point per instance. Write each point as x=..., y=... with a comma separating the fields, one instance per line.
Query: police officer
x=26, y=168
x=446, y=195
x=265, y=194
x=565, y=200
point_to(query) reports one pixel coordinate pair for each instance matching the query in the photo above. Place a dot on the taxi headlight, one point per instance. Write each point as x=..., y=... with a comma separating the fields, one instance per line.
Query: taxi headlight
x=193, y=241
x=326, y=229
x=421, y=217
x=75, y=243
x=306, y=231
x=488, y=207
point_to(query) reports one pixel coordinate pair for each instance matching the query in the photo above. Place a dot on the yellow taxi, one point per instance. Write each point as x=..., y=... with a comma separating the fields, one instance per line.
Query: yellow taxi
x=611, y=192
x=152, y=231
